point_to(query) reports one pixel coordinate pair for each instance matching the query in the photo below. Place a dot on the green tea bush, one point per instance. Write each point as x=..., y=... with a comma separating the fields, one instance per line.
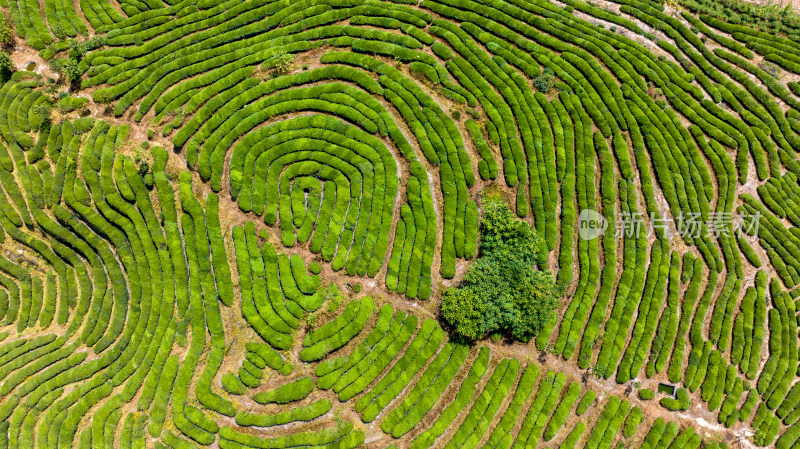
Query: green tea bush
x=562, y=411
x=427, y=391
x=464, y=396
x=681, y=402
x=586, y=401
x=293, y=391
x=338, y=332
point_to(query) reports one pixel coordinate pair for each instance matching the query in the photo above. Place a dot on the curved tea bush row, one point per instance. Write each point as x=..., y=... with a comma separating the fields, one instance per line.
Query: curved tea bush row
x=409, y=267
x=483, y=410
x=441, y=145
x=337, y=332
x=466, y=391
x=249, y=376
x=338, y=436
x=371, y=357
x=270, y=323
x=305, y=414
x=427, y=391
x=501, y=436
x=344, y=125
x=227, y=114
x=353, y=173
x=113, y=274
x=424, y=345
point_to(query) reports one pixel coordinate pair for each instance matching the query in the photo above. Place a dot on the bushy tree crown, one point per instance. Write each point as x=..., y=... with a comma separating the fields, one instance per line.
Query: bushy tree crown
x=503, y=291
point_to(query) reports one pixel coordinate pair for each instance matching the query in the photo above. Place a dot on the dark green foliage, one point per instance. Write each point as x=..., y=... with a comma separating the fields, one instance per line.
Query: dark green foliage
x=42, y=112
x=68, y=68
x=503, y=290
x=544, y=82
x=6, y=65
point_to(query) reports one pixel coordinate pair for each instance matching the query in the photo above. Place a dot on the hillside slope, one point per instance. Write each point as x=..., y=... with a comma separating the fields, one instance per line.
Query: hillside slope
x=229, y=224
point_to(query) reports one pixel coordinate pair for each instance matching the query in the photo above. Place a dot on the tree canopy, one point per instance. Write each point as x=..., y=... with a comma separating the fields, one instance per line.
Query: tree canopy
x=502, y=291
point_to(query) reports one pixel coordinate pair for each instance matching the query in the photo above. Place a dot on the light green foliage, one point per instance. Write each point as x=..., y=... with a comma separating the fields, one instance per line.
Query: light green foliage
x=680, y=402
x=544, y=82
x=279, y=64
x=290, y=392
x=70, y=103
x=586, y=401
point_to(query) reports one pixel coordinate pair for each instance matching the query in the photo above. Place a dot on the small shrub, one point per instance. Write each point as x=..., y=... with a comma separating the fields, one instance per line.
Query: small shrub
x=771, y=69
x=646, y=394
x=334, y=297
x=279, y=64
x=42, y=112
x=76, y=50
x=6, y=65
x=6, y=33
x=544, y=82
x=69, y=69
x=94, y=42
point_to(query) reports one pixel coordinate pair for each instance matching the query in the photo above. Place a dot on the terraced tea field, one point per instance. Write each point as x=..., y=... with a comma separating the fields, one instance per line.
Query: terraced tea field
x=230, y=224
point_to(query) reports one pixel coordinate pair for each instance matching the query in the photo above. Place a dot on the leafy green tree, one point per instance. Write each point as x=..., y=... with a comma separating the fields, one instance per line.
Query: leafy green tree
x=43, y=111
x=6, y=32
x=544, y=82
x=503, y=291
x=6, y=65
x=76, y=50
x=68, y=68
x=72, y=70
